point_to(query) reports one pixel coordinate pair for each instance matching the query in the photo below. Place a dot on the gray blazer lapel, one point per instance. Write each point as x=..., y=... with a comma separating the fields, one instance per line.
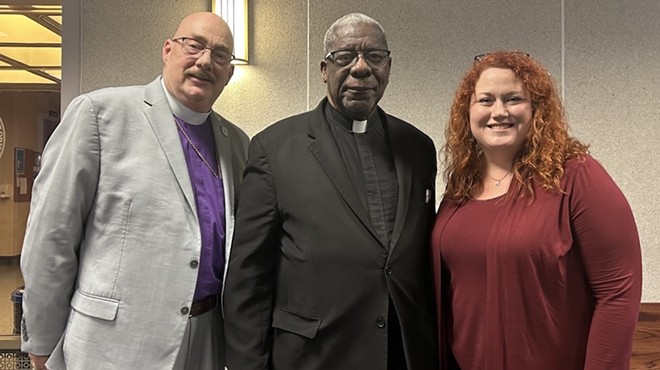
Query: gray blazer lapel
x=161, y=119
x=324, y=149
x=224, y=157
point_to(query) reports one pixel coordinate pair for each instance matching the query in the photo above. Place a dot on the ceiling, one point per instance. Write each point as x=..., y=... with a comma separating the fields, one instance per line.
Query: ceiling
x=31, y=45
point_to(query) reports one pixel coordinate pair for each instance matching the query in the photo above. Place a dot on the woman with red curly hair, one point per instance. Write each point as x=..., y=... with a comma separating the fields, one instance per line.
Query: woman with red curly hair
x=535, y=248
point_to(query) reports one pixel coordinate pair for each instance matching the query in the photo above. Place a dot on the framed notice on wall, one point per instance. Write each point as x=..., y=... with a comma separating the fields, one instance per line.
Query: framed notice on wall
x=20, y=161
x=24, y=173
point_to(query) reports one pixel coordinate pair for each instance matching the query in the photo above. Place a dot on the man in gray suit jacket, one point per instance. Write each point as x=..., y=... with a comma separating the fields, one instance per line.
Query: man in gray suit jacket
x=329, y=267
x=132, y=216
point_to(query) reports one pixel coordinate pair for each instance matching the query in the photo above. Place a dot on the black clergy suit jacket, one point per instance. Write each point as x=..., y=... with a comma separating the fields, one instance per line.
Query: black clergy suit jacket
x=309, y=282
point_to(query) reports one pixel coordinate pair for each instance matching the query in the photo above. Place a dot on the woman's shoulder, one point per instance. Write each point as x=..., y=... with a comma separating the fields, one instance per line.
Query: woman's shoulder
x=585, y=172
x=584, y=163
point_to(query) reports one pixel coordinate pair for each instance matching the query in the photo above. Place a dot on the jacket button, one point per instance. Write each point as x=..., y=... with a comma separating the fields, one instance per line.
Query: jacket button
x=380, y=322
x=194, y=264
x=185, y=310
x=388, y=270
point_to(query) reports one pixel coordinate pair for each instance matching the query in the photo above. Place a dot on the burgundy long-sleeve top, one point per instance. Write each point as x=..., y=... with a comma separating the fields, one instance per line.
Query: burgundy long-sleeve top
x=553, y=284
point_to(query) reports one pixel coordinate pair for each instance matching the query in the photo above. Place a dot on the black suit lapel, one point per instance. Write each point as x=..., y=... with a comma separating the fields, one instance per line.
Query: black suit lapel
x=404, y=174
x=324, y=149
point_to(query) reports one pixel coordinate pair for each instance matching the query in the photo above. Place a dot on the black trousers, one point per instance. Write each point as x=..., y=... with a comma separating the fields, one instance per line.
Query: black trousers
x=396, y=358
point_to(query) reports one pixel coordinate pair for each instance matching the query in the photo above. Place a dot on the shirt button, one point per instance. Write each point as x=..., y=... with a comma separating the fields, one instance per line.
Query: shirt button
x=388, y=270
x=380, y=322
x=185, y=310
x=194, y=263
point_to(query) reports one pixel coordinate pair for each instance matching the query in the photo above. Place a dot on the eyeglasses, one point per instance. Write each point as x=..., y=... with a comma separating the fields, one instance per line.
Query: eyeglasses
x=345, y=58
x=478, y=58
x=195, y=48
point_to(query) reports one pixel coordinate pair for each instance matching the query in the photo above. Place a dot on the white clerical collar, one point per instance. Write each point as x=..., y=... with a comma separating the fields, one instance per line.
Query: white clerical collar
x=181, y=111
x=360, y=127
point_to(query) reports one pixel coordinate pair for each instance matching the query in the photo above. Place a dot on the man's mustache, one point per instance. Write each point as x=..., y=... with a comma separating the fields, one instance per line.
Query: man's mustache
x=200, y=74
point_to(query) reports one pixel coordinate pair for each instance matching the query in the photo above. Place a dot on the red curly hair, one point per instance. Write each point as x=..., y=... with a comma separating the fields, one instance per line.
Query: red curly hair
x=548, y=144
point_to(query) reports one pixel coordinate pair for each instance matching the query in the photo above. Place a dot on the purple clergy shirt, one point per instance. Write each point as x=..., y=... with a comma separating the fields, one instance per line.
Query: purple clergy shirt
x=210, y=201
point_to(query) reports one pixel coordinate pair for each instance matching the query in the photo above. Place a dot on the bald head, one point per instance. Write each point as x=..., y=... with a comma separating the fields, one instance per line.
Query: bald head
x=205, y=24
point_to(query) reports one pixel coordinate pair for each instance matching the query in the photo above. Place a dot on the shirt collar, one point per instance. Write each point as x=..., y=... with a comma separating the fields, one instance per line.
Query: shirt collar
x=181, y=111
x=355, y=126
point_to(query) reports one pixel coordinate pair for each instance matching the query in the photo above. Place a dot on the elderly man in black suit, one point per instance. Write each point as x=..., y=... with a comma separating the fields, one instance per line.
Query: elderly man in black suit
x=329, y=268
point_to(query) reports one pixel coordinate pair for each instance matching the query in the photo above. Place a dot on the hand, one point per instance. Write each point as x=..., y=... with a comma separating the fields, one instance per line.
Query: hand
x=39, y=361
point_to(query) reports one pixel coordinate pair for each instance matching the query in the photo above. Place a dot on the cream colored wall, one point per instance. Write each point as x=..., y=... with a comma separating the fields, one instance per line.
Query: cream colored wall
x=20, y=112
x=118, y=42
x=603, y=54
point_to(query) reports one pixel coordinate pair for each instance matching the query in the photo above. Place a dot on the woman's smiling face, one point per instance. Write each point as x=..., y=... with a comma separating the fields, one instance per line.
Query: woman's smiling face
x=500, y=111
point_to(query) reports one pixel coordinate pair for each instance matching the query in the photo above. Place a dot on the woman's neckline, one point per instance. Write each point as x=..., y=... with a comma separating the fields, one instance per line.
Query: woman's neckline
x=489, y=199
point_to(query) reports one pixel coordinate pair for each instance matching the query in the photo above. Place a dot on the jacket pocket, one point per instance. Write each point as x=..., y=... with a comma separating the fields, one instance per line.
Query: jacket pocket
x=296, y=323
x=91, y=305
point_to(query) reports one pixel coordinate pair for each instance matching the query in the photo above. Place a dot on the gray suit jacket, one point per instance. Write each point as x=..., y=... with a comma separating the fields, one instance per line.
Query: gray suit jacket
x=113, y=230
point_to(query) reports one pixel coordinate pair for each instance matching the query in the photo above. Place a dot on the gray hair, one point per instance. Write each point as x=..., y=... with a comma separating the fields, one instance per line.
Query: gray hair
x=349, y=19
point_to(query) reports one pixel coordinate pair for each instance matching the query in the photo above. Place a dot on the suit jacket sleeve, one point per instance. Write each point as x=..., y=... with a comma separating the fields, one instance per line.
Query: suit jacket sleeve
x=249, y=289
x=62, y=196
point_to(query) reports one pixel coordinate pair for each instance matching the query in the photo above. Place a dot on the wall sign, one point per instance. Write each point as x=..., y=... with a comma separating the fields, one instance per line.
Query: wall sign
x=3, y=137
x=24, y=169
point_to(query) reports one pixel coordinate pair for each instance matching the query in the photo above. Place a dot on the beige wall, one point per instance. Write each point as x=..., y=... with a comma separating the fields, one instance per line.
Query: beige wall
x=603, y=53
x=20, y=112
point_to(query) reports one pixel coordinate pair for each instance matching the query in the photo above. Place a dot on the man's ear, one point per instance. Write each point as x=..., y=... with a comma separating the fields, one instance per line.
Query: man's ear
x=324, y=71
x=167, y=49
x=231, y=73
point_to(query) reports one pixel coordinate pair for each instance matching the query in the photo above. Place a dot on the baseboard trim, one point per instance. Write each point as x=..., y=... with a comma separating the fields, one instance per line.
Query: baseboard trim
x=10, y=342
x=10, y=260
